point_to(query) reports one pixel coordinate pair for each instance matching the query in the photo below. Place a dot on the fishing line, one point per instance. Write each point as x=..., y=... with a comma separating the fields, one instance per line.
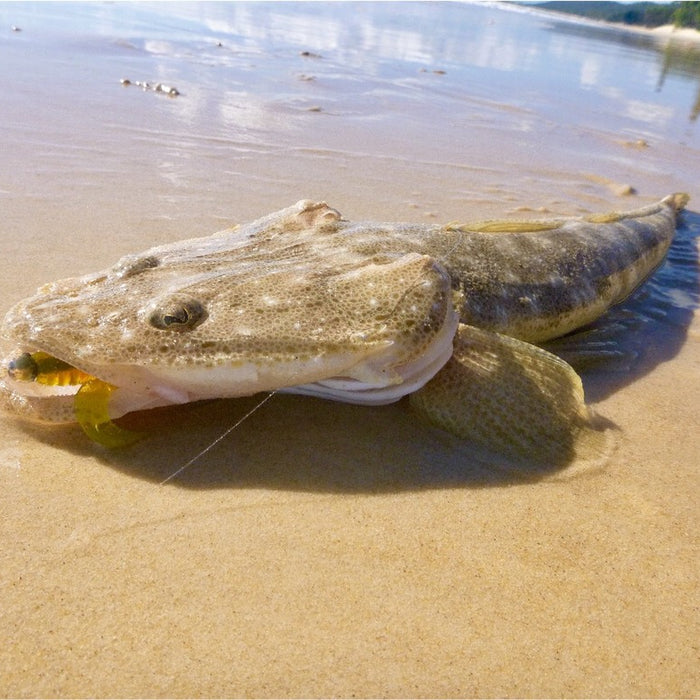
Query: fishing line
x=220, y=438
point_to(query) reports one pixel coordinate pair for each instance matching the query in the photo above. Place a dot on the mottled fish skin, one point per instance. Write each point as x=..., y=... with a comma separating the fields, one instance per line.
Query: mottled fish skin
x=305, y=301
x=540, y=284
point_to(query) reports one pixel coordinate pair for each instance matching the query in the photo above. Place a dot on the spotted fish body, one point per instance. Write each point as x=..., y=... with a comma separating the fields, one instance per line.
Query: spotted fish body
x=304, y=301
x=536, y=280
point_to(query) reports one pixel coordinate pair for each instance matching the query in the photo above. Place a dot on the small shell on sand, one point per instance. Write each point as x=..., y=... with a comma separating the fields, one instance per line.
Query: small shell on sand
x=622, y=189
x=638, y=144
x=158, y=87
x=619, y=189
x=167, y=89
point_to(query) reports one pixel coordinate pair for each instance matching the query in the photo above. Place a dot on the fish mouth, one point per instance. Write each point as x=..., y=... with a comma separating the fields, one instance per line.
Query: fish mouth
x=37, y=373
x=21, y=395
x=40, y=385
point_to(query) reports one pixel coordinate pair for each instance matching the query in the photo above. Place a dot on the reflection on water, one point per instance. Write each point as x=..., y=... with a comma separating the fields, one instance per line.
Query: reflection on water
x=673, y=57
x=683, y=59
x=499, y=103
x=367, y=47
x=373, y=40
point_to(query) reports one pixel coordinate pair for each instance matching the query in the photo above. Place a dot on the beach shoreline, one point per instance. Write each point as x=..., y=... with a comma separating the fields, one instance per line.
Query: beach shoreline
x=663, y=32
x=669, y=31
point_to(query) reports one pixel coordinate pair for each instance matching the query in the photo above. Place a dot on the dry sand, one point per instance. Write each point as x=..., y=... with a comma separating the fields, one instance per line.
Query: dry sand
x=669, y=31
x=325, y=549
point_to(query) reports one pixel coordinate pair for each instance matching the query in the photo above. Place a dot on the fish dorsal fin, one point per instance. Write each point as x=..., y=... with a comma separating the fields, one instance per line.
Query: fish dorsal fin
x=676, y=201
x=506, y=226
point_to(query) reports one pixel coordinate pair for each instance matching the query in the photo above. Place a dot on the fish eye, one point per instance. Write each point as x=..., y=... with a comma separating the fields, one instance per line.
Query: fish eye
x=178, y=315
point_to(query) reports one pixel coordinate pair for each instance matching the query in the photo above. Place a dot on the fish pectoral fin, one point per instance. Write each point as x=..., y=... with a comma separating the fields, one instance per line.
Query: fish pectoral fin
x=508, y=396
x=91, y=406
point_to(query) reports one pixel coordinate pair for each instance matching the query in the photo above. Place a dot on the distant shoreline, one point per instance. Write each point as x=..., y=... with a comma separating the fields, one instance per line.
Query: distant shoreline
x=633, y=15
x=665, y=32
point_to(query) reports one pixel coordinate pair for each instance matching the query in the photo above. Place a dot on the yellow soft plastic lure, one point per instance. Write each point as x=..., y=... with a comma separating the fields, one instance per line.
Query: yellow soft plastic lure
x=92, y=412
x=91, y=404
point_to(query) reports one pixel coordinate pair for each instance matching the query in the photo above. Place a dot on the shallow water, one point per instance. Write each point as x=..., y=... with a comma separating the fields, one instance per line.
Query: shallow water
x=328, y=549
x=501, y=109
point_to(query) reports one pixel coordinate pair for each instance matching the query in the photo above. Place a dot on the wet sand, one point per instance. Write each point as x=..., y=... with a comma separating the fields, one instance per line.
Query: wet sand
x=325, y=549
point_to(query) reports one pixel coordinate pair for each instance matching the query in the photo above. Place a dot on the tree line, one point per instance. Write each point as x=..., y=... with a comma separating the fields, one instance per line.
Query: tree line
x=648, y=14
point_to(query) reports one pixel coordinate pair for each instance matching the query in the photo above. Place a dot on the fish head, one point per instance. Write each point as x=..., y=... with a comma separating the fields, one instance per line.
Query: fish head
x=284, y=304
